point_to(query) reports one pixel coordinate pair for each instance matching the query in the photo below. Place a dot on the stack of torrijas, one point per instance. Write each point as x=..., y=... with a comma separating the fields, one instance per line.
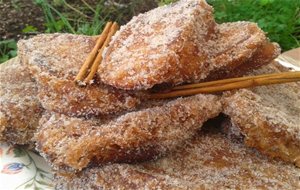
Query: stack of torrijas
x=96, y=136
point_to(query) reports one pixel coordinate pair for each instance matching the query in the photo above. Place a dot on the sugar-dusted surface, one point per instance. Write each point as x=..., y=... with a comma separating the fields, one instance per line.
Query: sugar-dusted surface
x=151, y=132
x=20, y=109
x=209, y=161
x=181, y=43
x=268, y=117
x=164, y=45
x=54, y=60
x=239, y=48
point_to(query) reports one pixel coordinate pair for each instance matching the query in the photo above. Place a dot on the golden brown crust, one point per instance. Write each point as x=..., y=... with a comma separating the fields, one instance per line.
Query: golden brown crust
x=20, y=110
x=268, y=117
x=75, y=143
x=164, y=45
x=54, y=60
x=209, y=161
x=262, y=56
x=188, y=49
x=64, y=96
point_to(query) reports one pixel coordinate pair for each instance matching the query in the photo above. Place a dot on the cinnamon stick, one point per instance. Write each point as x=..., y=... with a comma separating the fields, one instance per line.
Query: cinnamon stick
x=114, y=28
x=89, y=61
x=230, y=84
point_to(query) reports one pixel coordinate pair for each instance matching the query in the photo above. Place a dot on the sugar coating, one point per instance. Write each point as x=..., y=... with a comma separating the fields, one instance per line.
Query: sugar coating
x=268, y=117
x=209, y=161
x=240, y=47
x=181, y=43
x=153, y=46
x=20, y=109
x=54, y=60
x=74, y=143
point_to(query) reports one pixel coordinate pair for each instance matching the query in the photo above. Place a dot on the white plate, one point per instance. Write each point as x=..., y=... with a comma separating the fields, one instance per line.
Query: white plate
x=23, y=169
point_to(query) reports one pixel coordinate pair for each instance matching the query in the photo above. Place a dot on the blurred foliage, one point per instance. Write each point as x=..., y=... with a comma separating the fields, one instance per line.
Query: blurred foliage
x=280, y=19
x=8, y=49
x=29, y=29
x=79, y=17
x=165, y=2
x=88, y=19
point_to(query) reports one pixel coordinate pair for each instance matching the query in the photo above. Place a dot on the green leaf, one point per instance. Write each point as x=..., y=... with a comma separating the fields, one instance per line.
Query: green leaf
x=4, y=58
x=264, y=2
x=29, y=28
x=60, y=25
x=38, y=2
x=12, y=44
x=5, y=42
x=12, y=53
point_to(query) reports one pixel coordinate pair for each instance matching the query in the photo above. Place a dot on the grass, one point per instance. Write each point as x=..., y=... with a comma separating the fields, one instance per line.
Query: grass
x=85, y=19
x=165, y=2
x=279, y=19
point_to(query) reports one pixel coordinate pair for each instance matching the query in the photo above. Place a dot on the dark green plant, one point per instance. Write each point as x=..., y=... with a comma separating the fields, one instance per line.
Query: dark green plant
x=29, y=29
x=8, y=49
x=280, y=19
x=61, y=16
x=55, y=21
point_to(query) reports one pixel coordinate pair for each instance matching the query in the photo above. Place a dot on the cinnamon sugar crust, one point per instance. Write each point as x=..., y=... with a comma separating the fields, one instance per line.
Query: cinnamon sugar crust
x=74, y=143
x=20, y=110
x=181, y=43
x=268, y=117
x=54, y=60
x=209, y=161
x=240, y=47
x=164, y=45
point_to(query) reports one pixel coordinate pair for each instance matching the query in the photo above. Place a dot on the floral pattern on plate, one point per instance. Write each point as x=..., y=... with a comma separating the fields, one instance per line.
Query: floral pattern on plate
x=23, y=169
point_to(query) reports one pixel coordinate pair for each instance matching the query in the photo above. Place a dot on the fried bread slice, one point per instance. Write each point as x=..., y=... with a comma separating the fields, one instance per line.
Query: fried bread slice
x=74, y=143
x=181, y=43
x=20, y=110
x=209, y=161
x=54, y=60
x=240, y=48
x=163, y=45
x=268, y=117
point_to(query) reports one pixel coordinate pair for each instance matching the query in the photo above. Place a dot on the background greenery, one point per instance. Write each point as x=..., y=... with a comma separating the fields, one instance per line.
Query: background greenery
x=279, y=18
